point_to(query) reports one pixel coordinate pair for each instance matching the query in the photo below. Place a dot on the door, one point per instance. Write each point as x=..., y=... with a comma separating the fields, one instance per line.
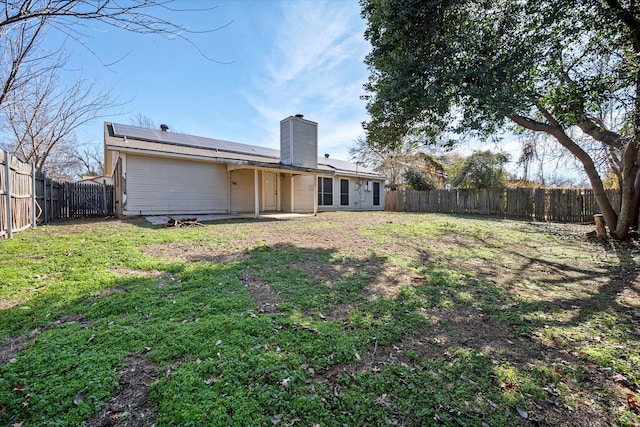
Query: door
x=270, y=191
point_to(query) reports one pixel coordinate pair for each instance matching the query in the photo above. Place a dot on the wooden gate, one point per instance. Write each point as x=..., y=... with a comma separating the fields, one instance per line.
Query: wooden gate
x=83, y=199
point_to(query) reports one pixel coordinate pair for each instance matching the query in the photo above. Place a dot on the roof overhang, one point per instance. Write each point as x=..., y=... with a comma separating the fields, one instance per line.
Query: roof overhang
x=240, y=164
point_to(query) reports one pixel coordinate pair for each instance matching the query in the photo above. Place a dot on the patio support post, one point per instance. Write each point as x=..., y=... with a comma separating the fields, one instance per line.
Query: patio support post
x=315, y=195
x=256, y=194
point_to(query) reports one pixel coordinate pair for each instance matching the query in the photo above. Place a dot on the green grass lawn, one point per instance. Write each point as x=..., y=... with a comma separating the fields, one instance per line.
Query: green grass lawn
x=340, y=319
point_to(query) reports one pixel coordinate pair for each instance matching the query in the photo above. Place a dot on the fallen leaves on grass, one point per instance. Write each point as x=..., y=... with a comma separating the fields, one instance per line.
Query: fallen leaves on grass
x=524, y=414
x=212, y=380
x=632, y=401
x=384, y=400
x=78, y=399
x=622, y=380
x=507, y=386
x=19, y=387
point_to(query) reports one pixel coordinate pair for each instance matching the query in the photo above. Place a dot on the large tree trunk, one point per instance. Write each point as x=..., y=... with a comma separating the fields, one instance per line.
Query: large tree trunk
x=629, y=207
x=618, y=224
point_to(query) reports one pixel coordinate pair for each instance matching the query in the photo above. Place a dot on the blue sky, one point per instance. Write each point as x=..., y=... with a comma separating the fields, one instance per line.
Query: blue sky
x=281, y=58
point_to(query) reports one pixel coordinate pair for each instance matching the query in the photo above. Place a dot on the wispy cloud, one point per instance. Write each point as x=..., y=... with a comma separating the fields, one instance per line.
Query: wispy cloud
x=314, y=67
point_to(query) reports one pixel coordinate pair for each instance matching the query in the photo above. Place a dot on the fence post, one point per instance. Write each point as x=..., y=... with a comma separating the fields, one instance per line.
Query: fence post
x=104, y=197
x=44, y=196
x=7, y=168
x=52, y=209
x=34, y=202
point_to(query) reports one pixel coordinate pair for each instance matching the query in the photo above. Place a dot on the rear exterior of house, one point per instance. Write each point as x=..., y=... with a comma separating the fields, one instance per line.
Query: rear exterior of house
x=157, y=172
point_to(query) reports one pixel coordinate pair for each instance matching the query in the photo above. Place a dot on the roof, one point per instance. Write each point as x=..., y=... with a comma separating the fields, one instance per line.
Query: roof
x=129, y=138
x=181, y=139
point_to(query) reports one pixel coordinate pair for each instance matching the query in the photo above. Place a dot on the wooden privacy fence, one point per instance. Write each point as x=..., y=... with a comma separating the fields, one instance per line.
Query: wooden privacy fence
x=543, y=204
x=17, y=204
x=28, y=197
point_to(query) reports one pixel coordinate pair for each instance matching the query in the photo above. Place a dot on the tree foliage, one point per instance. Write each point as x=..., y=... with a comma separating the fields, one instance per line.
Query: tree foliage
x=399, y=163
x=417, y=180
x=482, y=169
x=561, y=68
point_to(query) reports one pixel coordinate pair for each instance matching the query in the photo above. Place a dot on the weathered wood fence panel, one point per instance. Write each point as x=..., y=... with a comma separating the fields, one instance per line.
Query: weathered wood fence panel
x=28, y=197
x=543, y=204
x=48, y=198
x=17, y=211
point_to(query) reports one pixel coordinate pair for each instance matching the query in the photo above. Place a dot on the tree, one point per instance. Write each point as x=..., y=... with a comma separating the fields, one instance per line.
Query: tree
x=143, y=121
x=558, y=68
x=91, y=161
x=38, y=113
x=396, y=162
x=23, y=25
x=482, y=169
x=417, y=180
x=43, y=118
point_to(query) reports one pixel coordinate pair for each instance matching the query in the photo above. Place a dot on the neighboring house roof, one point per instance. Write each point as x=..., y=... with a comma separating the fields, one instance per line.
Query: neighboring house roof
x=96, y=179
x=135, y=139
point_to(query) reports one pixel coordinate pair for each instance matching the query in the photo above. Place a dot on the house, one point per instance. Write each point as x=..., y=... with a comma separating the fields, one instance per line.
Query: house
x=158, y=172
x=90, y=179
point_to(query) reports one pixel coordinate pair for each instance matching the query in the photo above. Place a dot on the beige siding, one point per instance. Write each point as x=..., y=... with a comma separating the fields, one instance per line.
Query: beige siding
x=359, y=197
x=285, y=194
x=242, y=191
x=156, y=185
x=364, y=196
x=303, y=194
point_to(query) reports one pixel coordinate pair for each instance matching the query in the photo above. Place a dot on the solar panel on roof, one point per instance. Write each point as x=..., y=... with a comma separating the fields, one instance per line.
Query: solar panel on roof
x=173, y=138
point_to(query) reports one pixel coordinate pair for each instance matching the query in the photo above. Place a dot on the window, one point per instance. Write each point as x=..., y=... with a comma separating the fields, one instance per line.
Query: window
x=344, y=192
x=325, y=191
x=376, y=194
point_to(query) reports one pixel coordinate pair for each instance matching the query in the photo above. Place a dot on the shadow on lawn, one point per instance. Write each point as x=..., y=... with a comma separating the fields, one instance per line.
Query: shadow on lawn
x=580, y=323
x=71, y=361
x=323, y=314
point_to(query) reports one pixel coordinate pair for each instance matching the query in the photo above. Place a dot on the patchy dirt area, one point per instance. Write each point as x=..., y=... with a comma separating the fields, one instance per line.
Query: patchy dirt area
x=588, y=276
x=14, y=345
x=129, y=406
x=525, y=270
x=264, y=296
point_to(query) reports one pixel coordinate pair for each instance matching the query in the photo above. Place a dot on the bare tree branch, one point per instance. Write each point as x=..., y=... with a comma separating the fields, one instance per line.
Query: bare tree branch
x=44, y=116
